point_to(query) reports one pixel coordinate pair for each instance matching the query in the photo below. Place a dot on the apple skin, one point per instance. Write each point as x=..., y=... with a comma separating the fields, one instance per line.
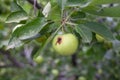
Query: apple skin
x=99, y=38
x=65, y=44
x=81, y=78
x=55, y=72
x=39, y=59
x=108, y=44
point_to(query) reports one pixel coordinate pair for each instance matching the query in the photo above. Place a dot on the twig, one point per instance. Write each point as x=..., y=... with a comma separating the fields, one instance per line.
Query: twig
x=74, y=63
x=35, y=1
x=6, y=66
x=11, y=58
x=39, y=6
x=74, y=58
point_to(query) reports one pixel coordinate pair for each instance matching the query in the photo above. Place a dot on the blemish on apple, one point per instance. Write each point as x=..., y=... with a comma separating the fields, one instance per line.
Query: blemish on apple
x=59, y=40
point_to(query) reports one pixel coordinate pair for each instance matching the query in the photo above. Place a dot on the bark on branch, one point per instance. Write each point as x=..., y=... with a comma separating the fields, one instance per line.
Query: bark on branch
x=74, y=63
x=11, y=58
x=38, y=6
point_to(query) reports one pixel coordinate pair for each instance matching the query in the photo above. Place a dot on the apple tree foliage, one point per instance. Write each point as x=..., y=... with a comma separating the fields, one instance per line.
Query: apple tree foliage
x=27, y=28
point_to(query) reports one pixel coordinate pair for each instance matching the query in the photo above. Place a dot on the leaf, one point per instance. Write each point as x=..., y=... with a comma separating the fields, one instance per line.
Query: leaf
x=19, y=25
x=27, y=31
x=99, y=29
x=81, y=3
x=62, y=3
x=96, y=52
x=16, y=17
x=85, y=33
x=30, y=29
x=117, y=28
x=110, y=12
x=78, y=15
x=98, y=2
x=14, y=43
x=27, y=7
x=46, y=9
x=55, y=13
x=15, y=7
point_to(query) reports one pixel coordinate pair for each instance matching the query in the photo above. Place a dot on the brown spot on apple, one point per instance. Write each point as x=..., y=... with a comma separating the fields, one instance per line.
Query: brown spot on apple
x=59, y=40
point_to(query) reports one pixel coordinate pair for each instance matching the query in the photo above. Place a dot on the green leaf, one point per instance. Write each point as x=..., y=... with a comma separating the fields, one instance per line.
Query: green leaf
x=16, y=17
x=110, y=12
x=14, y=42
x=55, y=13
x=62, y=3
x=78, y=15
x=15, y=7
x=99, y=29
x=81, y=3
x=27, y=31
x=27, y=7
x=1, y=26
x=98, y=2
x=85, y=33
x=30, y=29
x=117, y=28
x=47, y=9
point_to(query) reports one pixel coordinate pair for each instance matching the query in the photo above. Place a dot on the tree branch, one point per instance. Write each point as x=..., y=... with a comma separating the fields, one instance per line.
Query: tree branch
x=74, y=63
x=39, y=6
x=11, y=58
x=6, y=66
x=74, y=57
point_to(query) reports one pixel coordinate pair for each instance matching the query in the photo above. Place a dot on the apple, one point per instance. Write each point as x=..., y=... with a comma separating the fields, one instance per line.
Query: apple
x=65, y=44
x=108, y=44
x=81, y=78
x=55, y=72
x=100, y=71
x=99, y=38
x=39, y=59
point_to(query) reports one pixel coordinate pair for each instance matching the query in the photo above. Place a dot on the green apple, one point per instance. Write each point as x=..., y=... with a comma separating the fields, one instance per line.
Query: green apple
x=108, y=44
x=65, y=44
x=39, y=59
x=100, y=71
x=55, y=72
x=99, y=38
x=81, y=78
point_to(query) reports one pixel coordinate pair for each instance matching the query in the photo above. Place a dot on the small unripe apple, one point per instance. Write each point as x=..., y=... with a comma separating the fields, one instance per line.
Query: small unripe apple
x=65, y=44
x=55, y=72
x=38, y=59
x=108, y=44
x=81, y=78
x=100, y=71
x=99, y=38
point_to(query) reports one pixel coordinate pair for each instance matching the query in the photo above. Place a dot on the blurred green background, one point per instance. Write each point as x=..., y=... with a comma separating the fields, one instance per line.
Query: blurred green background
x=92, y=61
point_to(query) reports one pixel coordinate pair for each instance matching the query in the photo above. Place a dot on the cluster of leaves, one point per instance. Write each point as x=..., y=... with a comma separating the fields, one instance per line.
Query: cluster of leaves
x=84, y=18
